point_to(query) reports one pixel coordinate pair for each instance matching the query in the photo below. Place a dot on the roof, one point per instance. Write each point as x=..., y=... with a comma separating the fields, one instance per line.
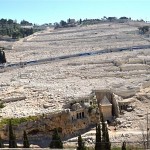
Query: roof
x=105, y=101
x=76, y=106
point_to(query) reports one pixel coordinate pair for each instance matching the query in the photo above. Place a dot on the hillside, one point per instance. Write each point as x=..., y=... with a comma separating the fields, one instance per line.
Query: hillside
x=51, y=86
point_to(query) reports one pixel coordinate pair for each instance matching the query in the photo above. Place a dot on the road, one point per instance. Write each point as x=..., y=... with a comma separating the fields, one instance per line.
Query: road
x=99, y=52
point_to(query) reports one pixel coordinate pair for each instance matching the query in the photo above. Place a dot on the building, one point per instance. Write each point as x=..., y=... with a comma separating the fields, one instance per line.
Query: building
x=107, y=104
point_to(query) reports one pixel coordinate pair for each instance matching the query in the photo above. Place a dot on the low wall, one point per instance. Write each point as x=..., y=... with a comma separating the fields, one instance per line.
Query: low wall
x=130, y=67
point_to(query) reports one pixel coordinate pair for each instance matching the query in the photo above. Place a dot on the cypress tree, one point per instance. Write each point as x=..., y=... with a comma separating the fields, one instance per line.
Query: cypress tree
x=105, y=135
x=25, y=140
x=123, y=146
x=98, y=144
x=4, y=58
x=81, y=145
x=12, y=138
x=107, y=143
x=1, y=56
x=1, y=143
x=56, y=141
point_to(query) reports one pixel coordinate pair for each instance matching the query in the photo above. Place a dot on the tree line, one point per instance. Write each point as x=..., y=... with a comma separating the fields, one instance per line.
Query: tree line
x=11, y=28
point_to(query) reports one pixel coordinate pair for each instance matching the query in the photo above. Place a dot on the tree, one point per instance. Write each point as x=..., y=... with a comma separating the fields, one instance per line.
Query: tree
x=81, y=145
x=25, y=140
x=111, y=19
x=63, y=23
x=123, y=17
x=102, y=136
x=144, y=29
x=2, y=57
x=69, y=20
x=123, y=146
x=15, y=34
x=1, y=143
x=107, y=141
x=12, y=138
x=98, y=144
x=56, y=140
x=80, y=21
x=24, y=22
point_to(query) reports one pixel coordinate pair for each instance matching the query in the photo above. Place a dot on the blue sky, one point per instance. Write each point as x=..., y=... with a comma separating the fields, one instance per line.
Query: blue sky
x=50, y=11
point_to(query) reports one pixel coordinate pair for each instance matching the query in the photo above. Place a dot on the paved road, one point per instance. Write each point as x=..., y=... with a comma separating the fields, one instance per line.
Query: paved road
x=99, y=52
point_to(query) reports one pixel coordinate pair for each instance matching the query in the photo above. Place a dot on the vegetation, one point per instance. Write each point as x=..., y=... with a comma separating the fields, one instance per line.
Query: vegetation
x=12, y=138
x=2, y=105
x=17, y=121
x=102, y=135
x=15, y=30
x=98, y=142
x=1, y=143
x=123, y=146
x=105, y=135
x=2, y=57
x=25, y=140
x=56, y=141
x=81, y=145
x=143, y=29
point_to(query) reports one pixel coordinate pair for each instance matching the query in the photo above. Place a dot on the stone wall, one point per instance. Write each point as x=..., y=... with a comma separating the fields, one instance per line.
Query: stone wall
x=62, y=120
x=130, y=67
x=107, y=112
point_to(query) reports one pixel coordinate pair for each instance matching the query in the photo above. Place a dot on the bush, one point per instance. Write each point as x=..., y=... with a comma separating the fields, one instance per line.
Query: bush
x=2, y=105
x=143, y=29
x=17, y=121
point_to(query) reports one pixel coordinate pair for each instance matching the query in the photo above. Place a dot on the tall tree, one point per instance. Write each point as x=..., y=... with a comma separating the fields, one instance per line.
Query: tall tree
x=103, y=133
x=107, y=141
x=1, y=143
x=98, y=144
x=3, y=57
x=81, y=145
x=123, y=146
x=56, y=140
x=12, y=137
x=80, y=21
x=25, y=140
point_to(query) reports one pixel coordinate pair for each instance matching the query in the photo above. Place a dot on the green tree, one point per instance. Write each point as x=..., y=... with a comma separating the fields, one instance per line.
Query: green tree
x=102, y=137
x=143, y=29
x=80, y=21
x=63, y=23
x=81, y=145
x=123, y=146
x=1, y=143
x=98, y=142
x=25, y=140
x=2, y=57
x=56, y=140
x=15, y=34
x=107, y=141
x=12, y=137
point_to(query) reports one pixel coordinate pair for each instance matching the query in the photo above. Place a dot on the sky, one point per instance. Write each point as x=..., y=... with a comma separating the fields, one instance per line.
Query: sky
x=51, y=11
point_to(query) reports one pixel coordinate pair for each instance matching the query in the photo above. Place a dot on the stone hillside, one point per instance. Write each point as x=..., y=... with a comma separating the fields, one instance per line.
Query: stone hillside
x=49, y=87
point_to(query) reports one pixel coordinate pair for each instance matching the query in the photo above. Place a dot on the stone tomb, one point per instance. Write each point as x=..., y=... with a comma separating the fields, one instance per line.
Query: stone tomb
x=107, y=103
